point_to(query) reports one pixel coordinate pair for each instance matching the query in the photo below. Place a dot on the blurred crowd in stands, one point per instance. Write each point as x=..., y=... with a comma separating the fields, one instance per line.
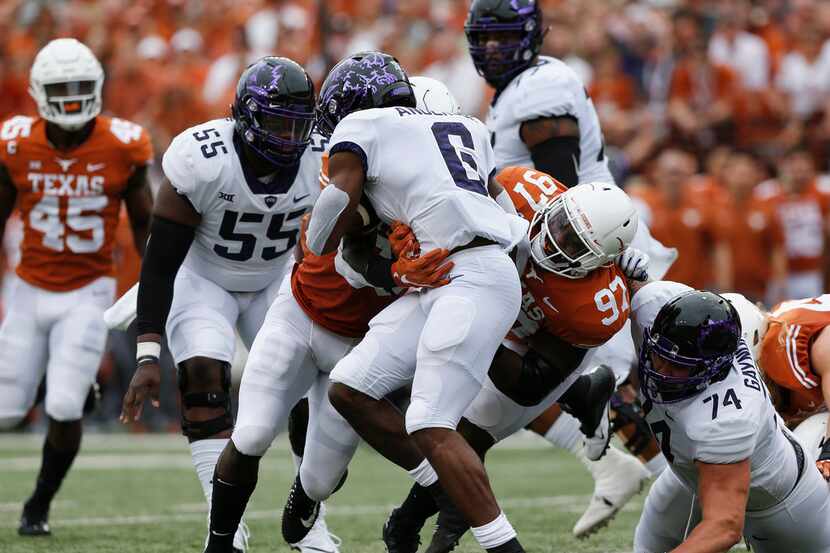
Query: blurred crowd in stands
x=716, y=114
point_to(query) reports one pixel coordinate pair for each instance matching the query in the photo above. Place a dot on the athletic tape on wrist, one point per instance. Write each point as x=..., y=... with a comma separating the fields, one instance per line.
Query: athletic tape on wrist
x=147, y=349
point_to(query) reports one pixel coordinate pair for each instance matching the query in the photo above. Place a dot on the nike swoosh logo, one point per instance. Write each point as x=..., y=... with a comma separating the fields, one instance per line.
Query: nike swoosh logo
x=221, y=534
x=92, y=167
x=312, y=518
x=754, y=537
x=300, y=198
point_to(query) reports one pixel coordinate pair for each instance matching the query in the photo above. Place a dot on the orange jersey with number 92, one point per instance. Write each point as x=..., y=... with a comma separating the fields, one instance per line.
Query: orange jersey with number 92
x=70, y=200
x=584, y=312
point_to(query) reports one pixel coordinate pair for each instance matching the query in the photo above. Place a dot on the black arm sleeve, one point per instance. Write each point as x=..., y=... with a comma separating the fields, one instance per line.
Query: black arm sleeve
x=166, y=249
x=359, y=252
x=558, y=157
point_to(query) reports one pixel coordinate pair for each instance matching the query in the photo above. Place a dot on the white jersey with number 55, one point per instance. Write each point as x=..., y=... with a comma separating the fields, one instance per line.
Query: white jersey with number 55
x=249, y=227
x=429, y=171
x=730, y=421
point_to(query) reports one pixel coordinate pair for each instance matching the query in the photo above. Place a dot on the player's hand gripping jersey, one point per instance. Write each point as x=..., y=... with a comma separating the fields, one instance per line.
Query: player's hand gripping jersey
x=69, y=201
x=785, y=352
x=249, y=228
x=584, y=312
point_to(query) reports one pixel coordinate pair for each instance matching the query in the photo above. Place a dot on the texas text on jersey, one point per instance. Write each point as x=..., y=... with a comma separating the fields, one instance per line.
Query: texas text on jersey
x=69, y=202
x=584, y=312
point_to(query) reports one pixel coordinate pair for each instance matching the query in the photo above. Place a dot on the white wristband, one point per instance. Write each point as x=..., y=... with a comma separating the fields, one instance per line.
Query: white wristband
x=147, y=349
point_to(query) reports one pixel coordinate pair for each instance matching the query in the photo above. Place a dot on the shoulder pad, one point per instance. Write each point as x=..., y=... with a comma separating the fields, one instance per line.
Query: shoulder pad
x=185, y=166
x=550, y=89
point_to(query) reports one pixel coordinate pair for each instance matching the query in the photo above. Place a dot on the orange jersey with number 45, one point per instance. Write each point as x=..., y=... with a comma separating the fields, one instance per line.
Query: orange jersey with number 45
x=584, y=312
x=70, y=200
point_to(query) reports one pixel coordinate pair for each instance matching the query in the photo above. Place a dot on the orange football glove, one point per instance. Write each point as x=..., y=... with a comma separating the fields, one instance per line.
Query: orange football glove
x=399, y=237
x=428, y=271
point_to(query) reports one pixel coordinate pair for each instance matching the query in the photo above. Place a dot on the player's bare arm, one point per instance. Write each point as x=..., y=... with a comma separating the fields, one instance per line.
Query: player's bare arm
x=171, y=234
x=8, y=197
x=335, y=212
x=554, y=147
x=139, y=202
x=723, y=493
x=820, y=363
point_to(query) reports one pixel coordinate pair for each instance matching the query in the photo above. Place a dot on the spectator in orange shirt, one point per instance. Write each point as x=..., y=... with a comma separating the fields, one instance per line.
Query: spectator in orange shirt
x=754, y=233
x=681, y=215
x=802, y=203
x=701, y=99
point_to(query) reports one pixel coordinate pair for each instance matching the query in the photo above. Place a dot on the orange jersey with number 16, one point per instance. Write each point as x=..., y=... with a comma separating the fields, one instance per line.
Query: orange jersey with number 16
x=70, y=200
x=584, y=312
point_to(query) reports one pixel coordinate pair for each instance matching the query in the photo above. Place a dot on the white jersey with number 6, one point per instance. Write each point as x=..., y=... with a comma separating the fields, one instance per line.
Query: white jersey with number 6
x=248, y=229
x=430, y=171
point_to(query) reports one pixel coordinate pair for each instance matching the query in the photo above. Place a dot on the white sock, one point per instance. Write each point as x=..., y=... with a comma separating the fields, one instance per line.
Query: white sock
x=565, y=433
x=495, y=533
x=424, y=474
x=205, y=454
x=657, y=465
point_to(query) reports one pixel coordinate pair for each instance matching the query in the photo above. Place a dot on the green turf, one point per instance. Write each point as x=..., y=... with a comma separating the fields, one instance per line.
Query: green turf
x=140, y=494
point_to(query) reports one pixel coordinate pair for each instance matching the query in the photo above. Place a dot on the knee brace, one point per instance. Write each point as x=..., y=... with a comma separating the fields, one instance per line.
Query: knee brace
x=218, y=399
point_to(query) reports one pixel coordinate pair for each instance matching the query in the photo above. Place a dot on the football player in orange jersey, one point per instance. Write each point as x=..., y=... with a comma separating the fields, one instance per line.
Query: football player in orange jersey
x=68, y=171
x=574, y=299
x=793, y=351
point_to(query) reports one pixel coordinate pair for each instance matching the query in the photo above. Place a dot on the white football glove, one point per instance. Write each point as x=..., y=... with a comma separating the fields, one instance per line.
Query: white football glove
x=633, y=263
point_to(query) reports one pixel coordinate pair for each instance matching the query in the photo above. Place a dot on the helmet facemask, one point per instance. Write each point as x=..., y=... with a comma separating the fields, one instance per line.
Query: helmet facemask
x=278, y=134
x=560, y=243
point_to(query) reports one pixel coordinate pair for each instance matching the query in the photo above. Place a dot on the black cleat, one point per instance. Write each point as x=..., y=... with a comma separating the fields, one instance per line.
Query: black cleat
x=603, y=384
x=34, y=524
x=299, y=514
x=402, y=534
x=449, y=529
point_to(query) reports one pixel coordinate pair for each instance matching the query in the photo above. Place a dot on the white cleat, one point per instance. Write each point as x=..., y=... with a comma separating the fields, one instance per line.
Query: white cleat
x=241, y=538
x=618, y=477
x=319, y=539
x=596, y=445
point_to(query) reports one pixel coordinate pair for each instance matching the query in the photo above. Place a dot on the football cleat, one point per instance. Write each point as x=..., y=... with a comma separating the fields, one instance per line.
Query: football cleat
x=319, y=539
x=241, y=538
x=34, y=526
x=449, y=529
x=618, y=478
x=402, y=534
x=299, y=514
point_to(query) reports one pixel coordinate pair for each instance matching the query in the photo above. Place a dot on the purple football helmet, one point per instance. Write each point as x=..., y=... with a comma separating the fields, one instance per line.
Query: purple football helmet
x=274, y=109
x=697, y=330
x=504, y=37
x=362, y=81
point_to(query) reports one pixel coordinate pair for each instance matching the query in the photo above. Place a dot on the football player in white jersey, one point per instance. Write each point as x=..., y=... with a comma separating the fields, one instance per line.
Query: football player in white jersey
x=542, y=117
x=734, y=468
x=225, y=225
x=433, y=172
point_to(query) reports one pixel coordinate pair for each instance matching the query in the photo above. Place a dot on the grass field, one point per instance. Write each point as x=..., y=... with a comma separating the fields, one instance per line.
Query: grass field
x=140, y=494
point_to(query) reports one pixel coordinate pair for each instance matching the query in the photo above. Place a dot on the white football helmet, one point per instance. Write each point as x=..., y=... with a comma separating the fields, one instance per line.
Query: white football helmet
x=811, y=432
x=65, y=82
x=754, y=321
x=583, y=228
x=433, y=95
